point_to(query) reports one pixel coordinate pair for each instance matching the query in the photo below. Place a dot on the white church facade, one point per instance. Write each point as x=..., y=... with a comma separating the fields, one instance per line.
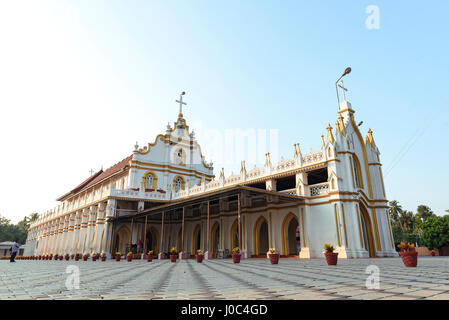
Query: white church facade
x=165, y=195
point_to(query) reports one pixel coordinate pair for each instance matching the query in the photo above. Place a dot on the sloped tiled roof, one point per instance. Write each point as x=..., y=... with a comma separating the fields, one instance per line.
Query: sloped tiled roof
x=97, y=177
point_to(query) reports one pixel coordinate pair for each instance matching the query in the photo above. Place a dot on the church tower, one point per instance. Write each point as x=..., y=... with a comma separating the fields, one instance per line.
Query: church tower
x=363, y=224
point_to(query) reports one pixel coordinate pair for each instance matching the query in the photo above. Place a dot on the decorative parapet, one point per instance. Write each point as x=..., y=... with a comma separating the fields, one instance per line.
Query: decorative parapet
x=318, y=189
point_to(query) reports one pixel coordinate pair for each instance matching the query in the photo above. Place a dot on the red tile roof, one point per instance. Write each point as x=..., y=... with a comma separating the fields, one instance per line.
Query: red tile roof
x=97, y=177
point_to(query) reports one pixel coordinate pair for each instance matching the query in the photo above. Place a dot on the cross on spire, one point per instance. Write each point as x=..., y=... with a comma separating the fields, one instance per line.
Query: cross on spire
x=343, y=89
x=181, y=103
x=91, y=172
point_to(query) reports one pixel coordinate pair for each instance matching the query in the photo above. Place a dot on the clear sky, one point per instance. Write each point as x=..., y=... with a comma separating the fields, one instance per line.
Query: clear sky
x=82, y=81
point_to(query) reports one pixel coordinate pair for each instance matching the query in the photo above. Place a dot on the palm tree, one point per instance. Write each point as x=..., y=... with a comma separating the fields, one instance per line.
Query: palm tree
x=395, y=210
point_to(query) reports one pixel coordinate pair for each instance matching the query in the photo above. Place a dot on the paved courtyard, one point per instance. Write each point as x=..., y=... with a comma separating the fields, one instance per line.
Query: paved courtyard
x=222, y=279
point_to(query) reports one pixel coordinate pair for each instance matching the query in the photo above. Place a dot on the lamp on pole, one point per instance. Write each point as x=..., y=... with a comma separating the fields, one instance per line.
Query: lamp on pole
x=347, y=71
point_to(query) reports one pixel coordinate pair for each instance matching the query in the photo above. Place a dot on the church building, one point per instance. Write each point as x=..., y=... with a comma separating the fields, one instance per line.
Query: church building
x=165, y=195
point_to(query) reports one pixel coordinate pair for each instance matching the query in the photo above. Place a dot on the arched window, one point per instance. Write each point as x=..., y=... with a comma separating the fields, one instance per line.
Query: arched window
x=178, y=184
x=180, y=157
x=149, y=182
x=357, y=172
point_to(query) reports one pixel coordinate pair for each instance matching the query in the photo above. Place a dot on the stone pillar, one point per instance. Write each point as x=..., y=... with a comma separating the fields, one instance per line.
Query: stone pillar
x=108, y=238
x=99, y=244
x=83, y=230
x=53, y=233
x=71, y=224
x=91, y=226
x=270, y=184
x=76, y=232
x=43, y=242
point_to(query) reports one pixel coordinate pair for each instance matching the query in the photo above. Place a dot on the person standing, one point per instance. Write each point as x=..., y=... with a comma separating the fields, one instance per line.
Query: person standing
x=14, y=250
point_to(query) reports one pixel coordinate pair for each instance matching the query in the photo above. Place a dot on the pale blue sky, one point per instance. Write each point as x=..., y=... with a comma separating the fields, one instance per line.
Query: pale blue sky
x=82, y=81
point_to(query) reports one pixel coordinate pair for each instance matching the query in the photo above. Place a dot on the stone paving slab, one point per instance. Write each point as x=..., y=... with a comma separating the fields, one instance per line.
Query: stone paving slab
x=253, y=279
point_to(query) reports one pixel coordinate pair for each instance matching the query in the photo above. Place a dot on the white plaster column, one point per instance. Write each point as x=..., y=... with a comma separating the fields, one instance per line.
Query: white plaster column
x=110, y=213
x=53, y=232
x=44, y=240
x=64, y=234
x=100, y=223
x=76, y=232
x=70, y=227
x=83, y=230
x=90, y=229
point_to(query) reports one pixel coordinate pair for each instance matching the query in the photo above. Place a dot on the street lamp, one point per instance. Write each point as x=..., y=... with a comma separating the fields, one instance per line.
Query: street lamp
x=347, y=71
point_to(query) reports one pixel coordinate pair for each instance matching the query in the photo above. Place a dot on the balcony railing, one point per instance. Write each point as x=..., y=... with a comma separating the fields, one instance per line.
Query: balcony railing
x=318, y=189
x=289, y=191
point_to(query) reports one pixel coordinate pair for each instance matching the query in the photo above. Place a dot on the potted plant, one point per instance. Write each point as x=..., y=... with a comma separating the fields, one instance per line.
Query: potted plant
x=236, y=255
x=150, y=256
x=274, y=256
x=129, y=256
x=77, y=256
x=433, y=253
x=199, y=256
x=118, y=256
x=67, y=256
x=56, y=257
x=408, y=254
x=94, y=256
x=173, y=254
x=103, y=256
x=331, y=256
x=61, y=257
x=85, y=256
x=72, y=256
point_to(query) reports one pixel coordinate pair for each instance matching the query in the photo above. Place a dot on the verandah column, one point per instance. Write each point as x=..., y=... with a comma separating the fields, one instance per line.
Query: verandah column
x=109, y=227
x=208, y=253
x=71, y=223
x=64, y=234
x=83, y=230
x=99, y=228
x=145, y=236
x=161, y=249
x=91, y=229
x=76, y=232
x=182, y=253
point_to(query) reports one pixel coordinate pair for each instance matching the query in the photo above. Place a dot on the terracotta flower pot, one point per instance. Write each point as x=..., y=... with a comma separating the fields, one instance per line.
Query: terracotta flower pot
x=103, y=258
x=173, y=257
x=410, y=259
x=199, y=258
x=149, y=257
x=236, y=257
x=331, y=258
x=274, y=258
x=129, y=258
x=117, y=258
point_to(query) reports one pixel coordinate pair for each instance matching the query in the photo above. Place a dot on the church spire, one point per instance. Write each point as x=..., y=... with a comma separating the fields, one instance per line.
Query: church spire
x=341, y=125
x=330, y=137
x=369, y=139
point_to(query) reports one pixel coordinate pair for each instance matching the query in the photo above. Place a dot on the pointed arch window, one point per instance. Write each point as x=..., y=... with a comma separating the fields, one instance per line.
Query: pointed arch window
x=178, y=184
x=149, y=182
x=357, y=172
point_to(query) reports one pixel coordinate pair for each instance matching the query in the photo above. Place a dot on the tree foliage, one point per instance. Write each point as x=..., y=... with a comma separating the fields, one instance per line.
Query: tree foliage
x=17, y=232
x=435, y=232
x=406, y=225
